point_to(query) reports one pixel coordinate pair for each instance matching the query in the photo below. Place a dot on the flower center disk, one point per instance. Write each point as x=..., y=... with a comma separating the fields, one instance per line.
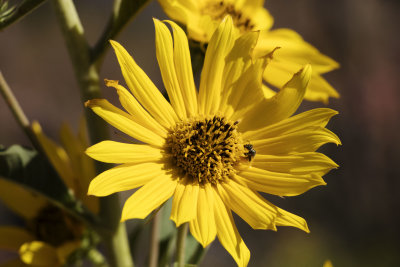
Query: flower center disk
x=205, y=150
x=55, y=226
x=218, y=10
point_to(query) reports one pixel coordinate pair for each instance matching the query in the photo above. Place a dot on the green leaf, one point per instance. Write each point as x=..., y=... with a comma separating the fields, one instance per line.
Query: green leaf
x=9, y=15
x=29, y=169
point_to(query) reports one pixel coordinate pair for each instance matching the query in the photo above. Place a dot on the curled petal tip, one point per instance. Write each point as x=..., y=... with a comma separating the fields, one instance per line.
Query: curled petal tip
x=111, y=83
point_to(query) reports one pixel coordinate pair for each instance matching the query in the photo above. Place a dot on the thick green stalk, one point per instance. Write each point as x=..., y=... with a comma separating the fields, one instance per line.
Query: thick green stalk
x=88, y=80
x=154, y=240
x=180, y=244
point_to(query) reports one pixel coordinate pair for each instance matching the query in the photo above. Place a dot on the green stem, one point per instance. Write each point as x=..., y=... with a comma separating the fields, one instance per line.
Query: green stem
x=17, y=111
x=97, y=258
x=154, y=238
x=180, y=244
x=88, y=79
x=123, y=11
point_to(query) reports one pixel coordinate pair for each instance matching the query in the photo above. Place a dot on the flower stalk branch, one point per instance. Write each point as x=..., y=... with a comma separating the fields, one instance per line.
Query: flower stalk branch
x=154, y=238
x=87, y=76
x=180, y=244
x=17, y=111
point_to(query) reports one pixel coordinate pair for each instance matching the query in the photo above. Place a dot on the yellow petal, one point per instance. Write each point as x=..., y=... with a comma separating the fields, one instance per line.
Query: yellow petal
x=75, y=152
x=124, y=177
x=201, y=28
x=237, y=74
x=286, y=218
x=87, y=164
x=248, y=205
x=227, y=233
x=314, y=117
x=116, y=152
x=211, y=77
x=279, y=107
x=183, y=66
x=246, y=92
x=82, y=165
x=123, y=122
x=305, y=140
x=260, y=18
x=327, y=263
x=165, y=58
x=253, y=3
x=143, y=88
x=149, y=197
x=294, y=51
x=20, y=200
x=268, y=92
x=66, y=249
x=318, y=88
x=38, y=253
x=180, y=11
x=281, y=184
x=57, y=156
x=185, y=202
x=12, y=237
x=139, y=114
x=296, y=163
x=203, y=227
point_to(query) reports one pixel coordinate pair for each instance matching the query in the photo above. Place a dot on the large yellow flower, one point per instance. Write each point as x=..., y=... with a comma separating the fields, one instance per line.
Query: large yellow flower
x=50, y=234
x=200, y=148
x=201, y=18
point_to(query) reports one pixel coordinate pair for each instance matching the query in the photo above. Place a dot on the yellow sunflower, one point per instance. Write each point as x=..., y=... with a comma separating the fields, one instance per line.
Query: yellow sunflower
x=201, y=18
x=50, y=234
x=211, y=150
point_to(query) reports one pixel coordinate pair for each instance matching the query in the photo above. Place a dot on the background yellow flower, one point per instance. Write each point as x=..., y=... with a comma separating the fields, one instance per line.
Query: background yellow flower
x=202, y=17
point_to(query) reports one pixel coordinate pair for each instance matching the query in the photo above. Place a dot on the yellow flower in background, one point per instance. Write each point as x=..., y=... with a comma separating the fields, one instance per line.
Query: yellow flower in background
x=211, y=150
x=201, y=17
x=50, y=234
x=327, y=263
x=70, y=161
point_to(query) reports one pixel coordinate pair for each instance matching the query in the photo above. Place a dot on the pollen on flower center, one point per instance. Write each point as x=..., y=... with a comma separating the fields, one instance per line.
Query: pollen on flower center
x=206, y=150
x=218, y=10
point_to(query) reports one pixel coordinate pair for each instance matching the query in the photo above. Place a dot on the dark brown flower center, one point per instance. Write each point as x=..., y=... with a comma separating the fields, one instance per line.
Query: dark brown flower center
x=206, y=150
x=218, y=10
x=54, y=226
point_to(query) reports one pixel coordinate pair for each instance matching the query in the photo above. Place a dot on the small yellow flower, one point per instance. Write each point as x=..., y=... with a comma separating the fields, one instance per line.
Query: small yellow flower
x=50, y=234
x=201, y=18
x=211, y=150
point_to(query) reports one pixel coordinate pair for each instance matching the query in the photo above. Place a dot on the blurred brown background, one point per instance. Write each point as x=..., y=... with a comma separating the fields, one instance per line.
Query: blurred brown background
x=354, y=220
